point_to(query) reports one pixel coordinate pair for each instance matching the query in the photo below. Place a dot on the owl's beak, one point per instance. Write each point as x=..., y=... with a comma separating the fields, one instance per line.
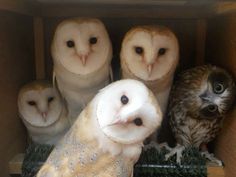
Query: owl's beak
x=206, y=96
x=118, y=121
x=149, y=68
x=44, y=116
x=83, y=59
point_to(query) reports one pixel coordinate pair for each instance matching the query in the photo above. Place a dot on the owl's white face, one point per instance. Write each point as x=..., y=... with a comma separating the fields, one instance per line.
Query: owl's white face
x=127, y=112
x=39, y=106
x=81, y=46
x=150, y=52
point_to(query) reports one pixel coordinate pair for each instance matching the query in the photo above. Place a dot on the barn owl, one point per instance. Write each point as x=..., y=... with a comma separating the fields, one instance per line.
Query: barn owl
x=82, y=52
x=150, y=54
x=106, y=139
x=198, y=103
x=42, y=112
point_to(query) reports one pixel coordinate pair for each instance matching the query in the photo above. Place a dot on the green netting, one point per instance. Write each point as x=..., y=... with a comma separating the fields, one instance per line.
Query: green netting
x=152, y=164
x=35, y=156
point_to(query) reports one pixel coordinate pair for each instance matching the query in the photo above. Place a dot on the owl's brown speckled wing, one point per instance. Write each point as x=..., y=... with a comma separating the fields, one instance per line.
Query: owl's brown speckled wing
x=188, y=125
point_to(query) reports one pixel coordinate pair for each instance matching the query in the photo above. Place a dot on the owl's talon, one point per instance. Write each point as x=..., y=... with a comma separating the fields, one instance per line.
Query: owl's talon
x=165, y=145
x=211, y=158
x=176, y=150
x=151, y=145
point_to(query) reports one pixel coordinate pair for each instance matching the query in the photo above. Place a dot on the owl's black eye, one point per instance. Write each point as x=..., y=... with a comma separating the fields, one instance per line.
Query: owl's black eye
x=161, y=51
x=218, y=88
x=93, y=40
x=139, y=50
x=212, y=108
x=32, y=103
x=124, y=99
x=50, y=99
x=138, y=121
x=70, y=43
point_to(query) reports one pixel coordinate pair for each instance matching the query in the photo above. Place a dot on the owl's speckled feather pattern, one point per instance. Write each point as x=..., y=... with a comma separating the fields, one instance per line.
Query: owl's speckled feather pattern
x=192, y=124
x=79, y=155
x=106, y=140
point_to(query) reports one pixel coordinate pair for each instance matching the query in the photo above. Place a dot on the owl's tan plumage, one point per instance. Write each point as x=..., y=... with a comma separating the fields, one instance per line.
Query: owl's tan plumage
x=42, y=112
x=150, y=54
x=107, y=143
x=82, y=52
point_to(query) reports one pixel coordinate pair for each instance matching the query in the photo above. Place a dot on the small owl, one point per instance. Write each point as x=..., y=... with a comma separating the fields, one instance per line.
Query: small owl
x=82, y=52
x=150, y=54
x=42, y=112
x=107, y=138
x=198, y=103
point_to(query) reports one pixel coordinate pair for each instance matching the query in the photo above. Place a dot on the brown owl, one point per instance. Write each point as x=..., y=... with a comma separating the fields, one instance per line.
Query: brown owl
x=199, y=100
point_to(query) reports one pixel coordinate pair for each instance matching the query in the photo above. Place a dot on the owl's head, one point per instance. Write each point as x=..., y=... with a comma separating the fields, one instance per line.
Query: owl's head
x=217, y=94
x=39, y=104
x=150, y=52
x=81, y=45
x=127, y=112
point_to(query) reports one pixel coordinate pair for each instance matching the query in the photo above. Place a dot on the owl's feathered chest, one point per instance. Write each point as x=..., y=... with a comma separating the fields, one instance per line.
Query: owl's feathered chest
x=157, y=86
x=79, y=154
x=67, y=80
x=191, y=131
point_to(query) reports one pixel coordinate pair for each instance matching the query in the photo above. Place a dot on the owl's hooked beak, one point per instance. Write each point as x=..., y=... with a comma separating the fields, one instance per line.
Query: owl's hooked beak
x=149, y=68
x=83, y=59
x=118, y=121
x=206, y=97
x=44, y=116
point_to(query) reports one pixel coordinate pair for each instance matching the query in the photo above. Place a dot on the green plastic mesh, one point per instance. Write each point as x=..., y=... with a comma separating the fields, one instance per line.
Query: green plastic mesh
x=35, y=156
x=152, y=164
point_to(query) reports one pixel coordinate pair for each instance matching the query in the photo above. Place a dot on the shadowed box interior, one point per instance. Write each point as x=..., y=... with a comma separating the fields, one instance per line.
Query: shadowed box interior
x=205, y=30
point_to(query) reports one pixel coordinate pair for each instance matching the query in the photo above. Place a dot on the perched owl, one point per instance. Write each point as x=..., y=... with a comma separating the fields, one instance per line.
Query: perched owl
x=107, y=138
x=42, y=112
x=198, y=103
x=82, y=52
x=150, y=54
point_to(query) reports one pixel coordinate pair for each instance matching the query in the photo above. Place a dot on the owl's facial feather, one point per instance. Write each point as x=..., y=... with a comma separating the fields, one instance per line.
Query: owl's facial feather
x=39, y=107
x=131, y=116
x=81, y=46
x=149, y=53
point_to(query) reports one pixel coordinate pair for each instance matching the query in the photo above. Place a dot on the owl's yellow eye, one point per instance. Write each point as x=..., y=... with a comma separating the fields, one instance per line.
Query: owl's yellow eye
x=212, y=108
x=70, y=43
x=138, y=50
x=161, y=51
x=218, y=88
x=93, y=40
x=138, y=121
x=32, y=103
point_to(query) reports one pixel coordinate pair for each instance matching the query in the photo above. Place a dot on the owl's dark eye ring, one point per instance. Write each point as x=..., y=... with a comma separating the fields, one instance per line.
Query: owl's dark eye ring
x=70, y=43
x=50, y=99
x=93, y=40
x=138, y=50
x=161, y=51
x=31, y=103
x=138, y=121
x=218, y=88
x=124, y=99
x=212, y=108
